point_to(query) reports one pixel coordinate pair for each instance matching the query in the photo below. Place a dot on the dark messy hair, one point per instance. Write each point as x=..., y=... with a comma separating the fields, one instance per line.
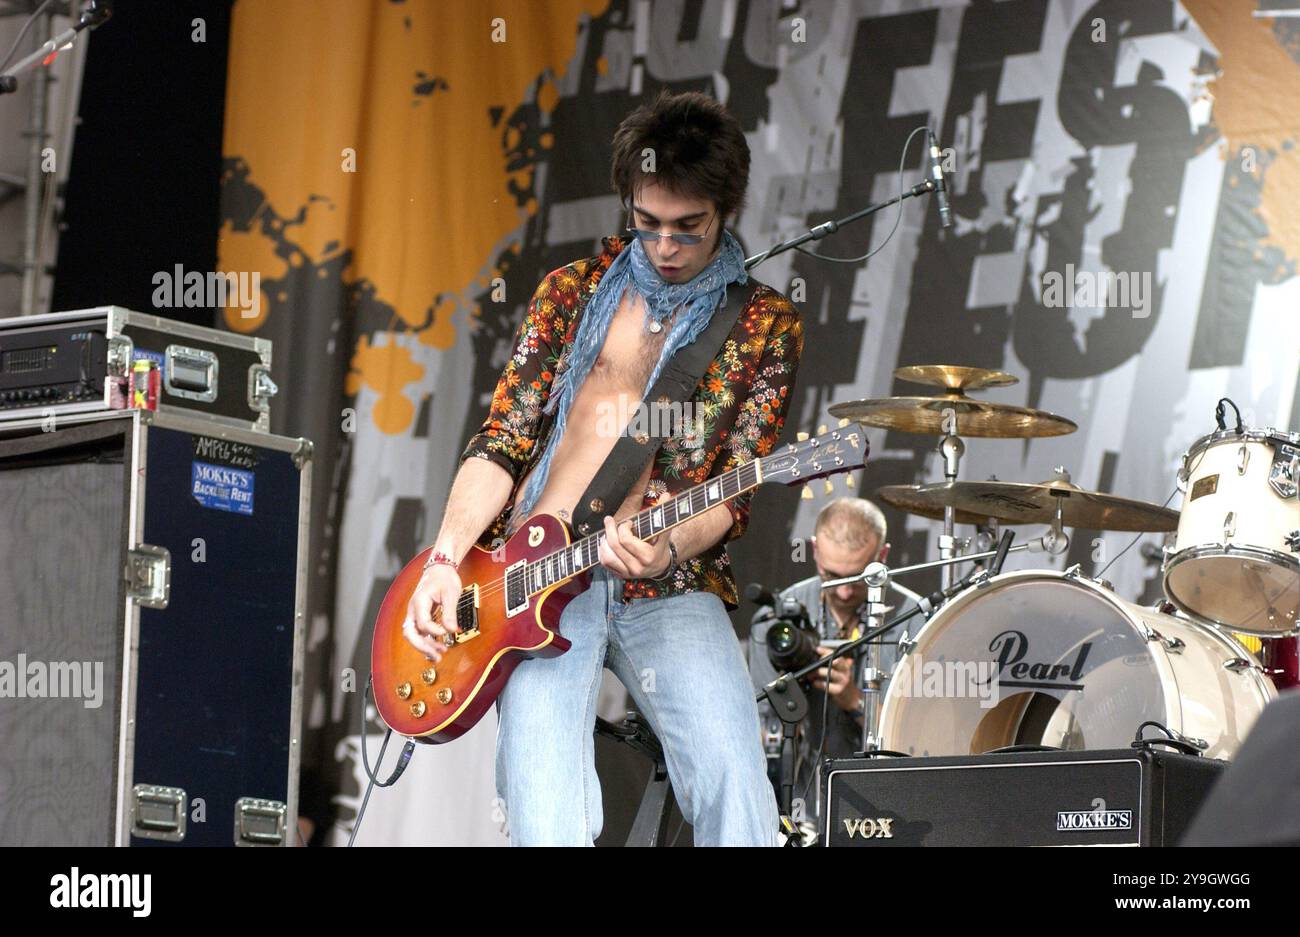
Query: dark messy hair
x=698, y=146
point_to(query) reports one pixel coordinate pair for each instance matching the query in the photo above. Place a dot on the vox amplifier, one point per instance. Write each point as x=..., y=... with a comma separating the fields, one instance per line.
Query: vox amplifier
x=1084, y=798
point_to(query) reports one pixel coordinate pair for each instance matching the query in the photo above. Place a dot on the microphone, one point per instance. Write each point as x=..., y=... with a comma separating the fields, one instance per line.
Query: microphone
x=939, y=596
x=941, y=187
x=95, y=13
x=1000, y=557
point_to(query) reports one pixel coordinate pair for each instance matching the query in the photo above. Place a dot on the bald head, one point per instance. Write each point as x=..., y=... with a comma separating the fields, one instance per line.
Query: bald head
x=851, y=523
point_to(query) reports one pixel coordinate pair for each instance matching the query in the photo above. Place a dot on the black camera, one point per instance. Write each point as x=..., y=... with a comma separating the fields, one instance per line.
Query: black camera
x=791, y=645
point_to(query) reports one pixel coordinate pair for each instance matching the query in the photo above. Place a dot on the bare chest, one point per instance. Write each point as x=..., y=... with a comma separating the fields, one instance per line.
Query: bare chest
x=630, y=352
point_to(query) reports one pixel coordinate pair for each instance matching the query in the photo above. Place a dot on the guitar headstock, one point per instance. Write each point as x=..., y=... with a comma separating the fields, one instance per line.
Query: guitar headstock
x=840, y=450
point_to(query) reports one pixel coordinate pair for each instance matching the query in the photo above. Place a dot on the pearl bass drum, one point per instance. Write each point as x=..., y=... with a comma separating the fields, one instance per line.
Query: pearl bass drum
x=1057, y=659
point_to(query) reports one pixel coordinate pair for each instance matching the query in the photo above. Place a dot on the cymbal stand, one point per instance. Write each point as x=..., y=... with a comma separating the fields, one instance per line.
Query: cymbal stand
x=873, y=678
x=952, y=449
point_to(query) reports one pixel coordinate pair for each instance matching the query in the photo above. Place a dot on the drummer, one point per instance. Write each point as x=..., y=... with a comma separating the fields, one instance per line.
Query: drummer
x=849, y=534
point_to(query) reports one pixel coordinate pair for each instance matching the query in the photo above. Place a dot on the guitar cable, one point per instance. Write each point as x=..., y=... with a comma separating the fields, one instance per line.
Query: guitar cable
x=402, y=761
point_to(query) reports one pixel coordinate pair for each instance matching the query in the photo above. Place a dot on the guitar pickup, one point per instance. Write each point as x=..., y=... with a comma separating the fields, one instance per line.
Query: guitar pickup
x=471, y=630
x=516, y=588
x=467, y=629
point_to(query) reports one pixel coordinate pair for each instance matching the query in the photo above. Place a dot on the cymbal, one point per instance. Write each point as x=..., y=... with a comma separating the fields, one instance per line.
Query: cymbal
x=981, y=418
x=1020, y=503
x=955, y=376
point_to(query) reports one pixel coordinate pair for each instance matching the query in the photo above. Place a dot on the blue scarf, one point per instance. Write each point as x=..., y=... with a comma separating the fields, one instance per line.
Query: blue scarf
x=698, y=298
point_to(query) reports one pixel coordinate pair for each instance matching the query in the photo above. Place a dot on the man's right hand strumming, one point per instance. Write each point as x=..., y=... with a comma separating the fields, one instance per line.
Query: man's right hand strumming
x=431, y=613
x=478, y=494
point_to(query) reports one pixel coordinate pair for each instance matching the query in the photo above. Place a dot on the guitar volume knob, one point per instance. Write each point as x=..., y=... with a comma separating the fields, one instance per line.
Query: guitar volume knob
x=404, y=691
x=429, y=675
x=444, y=695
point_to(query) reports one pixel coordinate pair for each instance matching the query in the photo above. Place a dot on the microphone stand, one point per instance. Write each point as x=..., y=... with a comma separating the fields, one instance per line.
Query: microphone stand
x=830, y=227
x=1053, y=541
x=94, y=13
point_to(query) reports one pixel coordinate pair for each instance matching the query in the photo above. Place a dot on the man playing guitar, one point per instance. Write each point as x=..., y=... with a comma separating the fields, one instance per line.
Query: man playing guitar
x=596, y=334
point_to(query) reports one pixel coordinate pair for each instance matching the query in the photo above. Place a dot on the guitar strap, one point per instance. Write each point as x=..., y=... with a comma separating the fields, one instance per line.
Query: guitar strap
x=676, y=384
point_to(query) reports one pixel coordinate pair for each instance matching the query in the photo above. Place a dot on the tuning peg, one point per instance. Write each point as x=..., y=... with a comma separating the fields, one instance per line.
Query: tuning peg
x=806, y=494
x=829, y=489
x=821, y=429
x=844, y=421
x=801, y=437
x=848, y=482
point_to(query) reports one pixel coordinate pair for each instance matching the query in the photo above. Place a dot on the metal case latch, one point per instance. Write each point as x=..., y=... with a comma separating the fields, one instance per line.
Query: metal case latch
x=259, y=822
x=260, y=388
x=149, y=575
x=158, y=812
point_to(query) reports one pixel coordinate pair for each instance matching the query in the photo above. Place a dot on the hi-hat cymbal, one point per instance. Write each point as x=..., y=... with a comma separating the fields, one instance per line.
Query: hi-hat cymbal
x=1020, y=503
x=927, y=415
x=955, y=376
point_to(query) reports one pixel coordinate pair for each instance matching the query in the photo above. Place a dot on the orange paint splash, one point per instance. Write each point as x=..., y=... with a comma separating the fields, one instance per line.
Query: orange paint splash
x=322, y=102
x=387, y=369
x=1256, y=104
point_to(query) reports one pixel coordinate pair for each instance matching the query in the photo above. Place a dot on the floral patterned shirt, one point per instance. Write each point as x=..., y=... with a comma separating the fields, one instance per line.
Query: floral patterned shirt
x=742, y=399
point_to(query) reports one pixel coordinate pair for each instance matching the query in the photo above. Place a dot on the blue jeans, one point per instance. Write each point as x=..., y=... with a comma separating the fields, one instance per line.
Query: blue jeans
x=679, y=658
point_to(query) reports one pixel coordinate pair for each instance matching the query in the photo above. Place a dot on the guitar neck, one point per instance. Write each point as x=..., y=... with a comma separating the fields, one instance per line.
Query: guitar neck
x=582, y=555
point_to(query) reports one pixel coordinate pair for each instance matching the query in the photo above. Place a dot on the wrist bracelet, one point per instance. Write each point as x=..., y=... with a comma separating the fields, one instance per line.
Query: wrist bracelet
x=438, y=558
x=672, y=563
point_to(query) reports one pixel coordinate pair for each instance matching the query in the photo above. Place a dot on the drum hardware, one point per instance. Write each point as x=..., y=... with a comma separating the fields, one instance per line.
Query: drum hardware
x=1279, y=658
x=952, y=449
x=1037, y=545
x=1284, y=473
x=876, y=575
x=1076, y=572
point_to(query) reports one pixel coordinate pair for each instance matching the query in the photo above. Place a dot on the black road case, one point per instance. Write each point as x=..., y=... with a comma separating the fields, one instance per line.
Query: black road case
x=60, y=363
x=167, y=553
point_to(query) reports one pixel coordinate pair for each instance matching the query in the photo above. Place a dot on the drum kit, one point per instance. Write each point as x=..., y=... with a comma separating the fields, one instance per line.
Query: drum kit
x=1058, y=659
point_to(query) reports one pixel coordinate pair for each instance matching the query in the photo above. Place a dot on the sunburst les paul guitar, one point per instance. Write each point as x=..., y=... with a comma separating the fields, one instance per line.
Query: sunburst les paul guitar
x=513, y=596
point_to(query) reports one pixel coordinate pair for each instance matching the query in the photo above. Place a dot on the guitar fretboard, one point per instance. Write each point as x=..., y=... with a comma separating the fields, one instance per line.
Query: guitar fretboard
x=535, y=576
